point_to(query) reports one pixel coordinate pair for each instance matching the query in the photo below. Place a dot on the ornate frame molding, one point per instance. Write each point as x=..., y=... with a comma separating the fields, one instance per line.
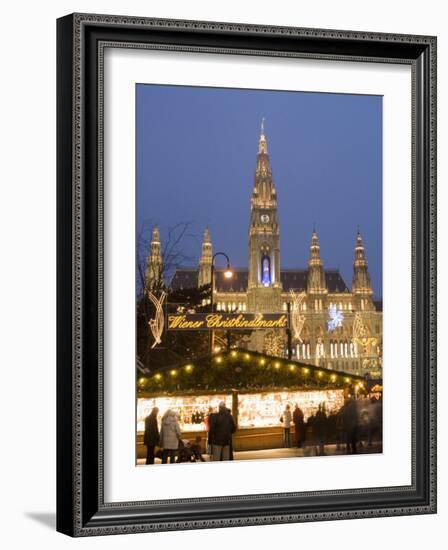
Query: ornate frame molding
x=81, y=42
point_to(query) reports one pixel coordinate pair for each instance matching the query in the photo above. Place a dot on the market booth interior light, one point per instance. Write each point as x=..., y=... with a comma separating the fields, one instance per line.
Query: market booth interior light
x=261, y=409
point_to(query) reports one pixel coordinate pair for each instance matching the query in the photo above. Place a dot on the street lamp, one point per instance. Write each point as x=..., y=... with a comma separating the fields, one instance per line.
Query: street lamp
x=228, y=274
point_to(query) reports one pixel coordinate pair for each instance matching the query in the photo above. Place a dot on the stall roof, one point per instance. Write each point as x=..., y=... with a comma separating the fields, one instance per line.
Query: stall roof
x=240, y=369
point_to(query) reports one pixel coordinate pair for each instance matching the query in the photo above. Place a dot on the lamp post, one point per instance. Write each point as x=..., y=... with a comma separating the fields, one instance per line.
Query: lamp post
x=228, y=274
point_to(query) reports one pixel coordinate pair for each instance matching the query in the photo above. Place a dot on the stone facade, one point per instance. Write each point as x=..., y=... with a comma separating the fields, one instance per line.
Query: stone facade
x=339, y=328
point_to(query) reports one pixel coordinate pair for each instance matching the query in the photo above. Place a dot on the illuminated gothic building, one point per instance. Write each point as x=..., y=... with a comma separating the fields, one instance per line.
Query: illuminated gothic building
x=339, y=328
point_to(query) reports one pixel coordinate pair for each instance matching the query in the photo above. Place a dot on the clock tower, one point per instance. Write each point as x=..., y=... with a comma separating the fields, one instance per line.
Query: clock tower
x=264, y=285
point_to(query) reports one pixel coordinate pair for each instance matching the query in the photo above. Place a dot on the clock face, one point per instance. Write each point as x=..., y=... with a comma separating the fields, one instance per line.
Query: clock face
x=264, y=218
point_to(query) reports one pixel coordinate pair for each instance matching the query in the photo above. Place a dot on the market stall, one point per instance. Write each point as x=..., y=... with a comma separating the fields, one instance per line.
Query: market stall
x=254, y=386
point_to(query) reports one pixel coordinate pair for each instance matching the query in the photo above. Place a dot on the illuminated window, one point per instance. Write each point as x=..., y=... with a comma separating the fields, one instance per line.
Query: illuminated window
x=265, y=270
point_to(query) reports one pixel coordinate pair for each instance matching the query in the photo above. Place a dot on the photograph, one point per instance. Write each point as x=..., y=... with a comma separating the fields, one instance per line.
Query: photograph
x=258, y=274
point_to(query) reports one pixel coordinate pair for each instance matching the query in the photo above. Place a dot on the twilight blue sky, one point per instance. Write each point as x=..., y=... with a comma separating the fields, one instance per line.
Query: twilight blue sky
x=196, y=150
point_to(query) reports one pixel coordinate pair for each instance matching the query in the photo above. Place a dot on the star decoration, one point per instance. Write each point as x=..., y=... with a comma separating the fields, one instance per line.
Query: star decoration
x=336, y=318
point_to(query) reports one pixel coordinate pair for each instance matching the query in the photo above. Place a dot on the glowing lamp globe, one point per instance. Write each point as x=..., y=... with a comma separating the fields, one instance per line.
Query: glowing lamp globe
x=228, y=273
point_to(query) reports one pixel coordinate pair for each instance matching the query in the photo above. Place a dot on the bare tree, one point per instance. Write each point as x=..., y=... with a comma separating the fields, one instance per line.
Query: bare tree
x=175, y=346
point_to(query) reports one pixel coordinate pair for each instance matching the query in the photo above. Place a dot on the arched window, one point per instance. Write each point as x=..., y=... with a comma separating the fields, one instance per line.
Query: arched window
x=265, y=270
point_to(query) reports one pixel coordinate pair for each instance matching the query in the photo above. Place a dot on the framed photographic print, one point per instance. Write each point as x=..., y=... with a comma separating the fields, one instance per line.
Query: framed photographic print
x=246, y=274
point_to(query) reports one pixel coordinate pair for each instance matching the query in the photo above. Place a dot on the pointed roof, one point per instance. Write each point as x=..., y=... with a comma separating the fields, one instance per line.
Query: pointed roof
x=155, y=238
x=359, y=239
x=262, y=144
x=264, y=193
x=206, y=238
x=314, y=248
x=360, y=257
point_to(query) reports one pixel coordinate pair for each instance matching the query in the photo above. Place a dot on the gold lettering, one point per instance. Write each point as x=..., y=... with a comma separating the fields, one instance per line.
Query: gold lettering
x=219, y=321
x=181, y=322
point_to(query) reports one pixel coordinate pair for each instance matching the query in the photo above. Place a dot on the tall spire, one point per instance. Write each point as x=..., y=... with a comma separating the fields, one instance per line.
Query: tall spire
x=361, y=278
x=154, y=266
x=316, y=275
x=205, y=262
x=264, y=282
x=264, y=193
x=262, y=145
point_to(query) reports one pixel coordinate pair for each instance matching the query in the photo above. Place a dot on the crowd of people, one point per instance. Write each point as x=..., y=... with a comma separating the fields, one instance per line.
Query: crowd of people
x=219, y=426
x=357, y=423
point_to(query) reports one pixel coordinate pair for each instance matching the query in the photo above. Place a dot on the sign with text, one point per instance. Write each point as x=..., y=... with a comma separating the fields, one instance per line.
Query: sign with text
x=227, y=321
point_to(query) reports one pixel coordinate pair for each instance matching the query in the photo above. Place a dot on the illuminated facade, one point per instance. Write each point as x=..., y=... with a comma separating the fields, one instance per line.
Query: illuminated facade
x=336, y=327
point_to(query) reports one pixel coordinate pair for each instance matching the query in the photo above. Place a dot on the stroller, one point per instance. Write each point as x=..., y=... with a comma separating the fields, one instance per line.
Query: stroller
x=189, y=451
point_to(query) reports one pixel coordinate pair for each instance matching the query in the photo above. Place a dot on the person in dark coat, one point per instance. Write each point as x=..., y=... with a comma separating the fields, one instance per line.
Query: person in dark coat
x=152, y=435
x=299, y=425
x=350, y=416
x=320, y=429
x=222, y=426
x=207, y=421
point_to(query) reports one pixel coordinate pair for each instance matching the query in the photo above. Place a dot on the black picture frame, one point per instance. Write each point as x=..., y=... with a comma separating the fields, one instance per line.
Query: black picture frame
x=81, y=510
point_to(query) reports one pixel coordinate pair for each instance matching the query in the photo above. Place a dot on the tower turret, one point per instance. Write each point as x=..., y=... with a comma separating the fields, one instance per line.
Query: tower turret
x=154, y=266
x=316, y=283
x=361, y=286
x=205, y=262
x=264, y=285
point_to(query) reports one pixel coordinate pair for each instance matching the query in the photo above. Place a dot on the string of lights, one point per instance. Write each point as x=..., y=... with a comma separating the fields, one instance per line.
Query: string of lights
x=238, y=368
